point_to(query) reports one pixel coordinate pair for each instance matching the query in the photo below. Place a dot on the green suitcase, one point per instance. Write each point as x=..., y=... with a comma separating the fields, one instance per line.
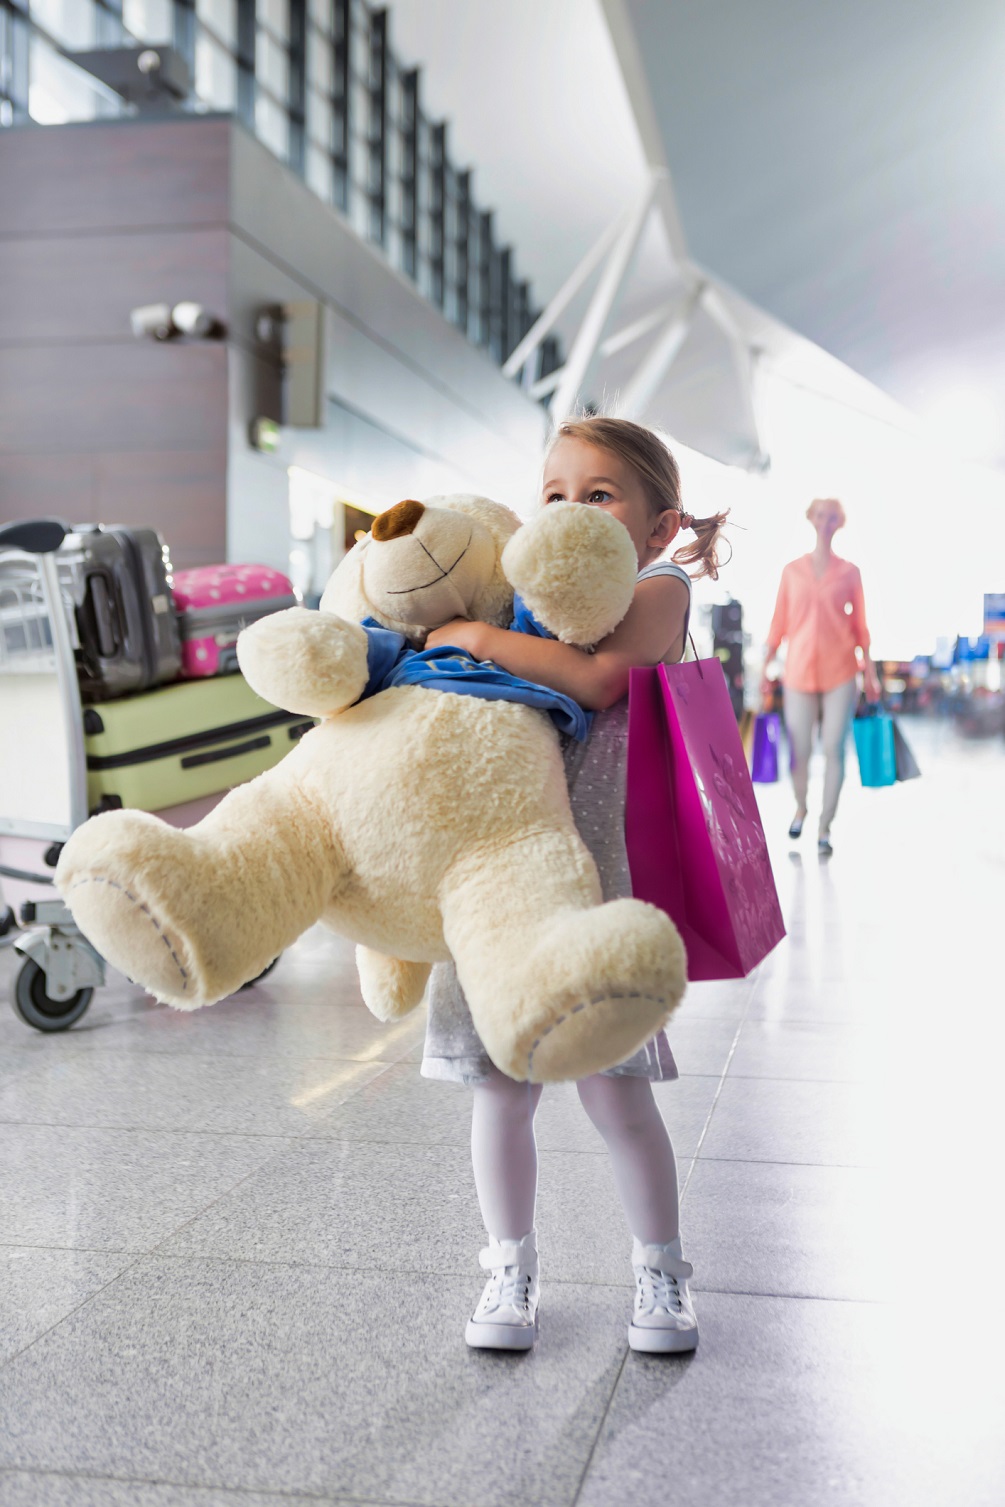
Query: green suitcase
x=179, y=743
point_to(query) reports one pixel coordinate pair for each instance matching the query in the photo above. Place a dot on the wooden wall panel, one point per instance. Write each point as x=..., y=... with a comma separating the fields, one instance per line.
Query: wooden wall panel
x=60, y=288
x=95, y=398
x=181, y=493
x=115, y=175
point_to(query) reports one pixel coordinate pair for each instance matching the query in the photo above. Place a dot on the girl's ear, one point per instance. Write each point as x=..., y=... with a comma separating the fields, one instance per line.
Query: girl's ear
x=665, y=529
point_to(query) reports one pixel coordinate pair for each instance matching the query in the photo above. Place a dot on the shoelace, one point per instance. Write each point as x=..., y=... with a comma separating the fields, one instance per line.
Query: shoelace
x=510, y=1289
x=658, y=1290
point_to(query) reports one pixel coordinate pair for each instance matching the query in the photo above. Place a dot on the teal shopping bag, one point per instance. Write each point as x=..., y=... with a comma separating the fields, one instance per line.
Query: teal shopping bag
x=877, y=758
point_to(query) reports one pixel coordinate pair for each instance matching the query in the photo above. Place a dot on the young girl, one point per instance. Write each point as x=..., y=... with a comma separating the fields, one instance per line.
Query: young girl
x=627, y=471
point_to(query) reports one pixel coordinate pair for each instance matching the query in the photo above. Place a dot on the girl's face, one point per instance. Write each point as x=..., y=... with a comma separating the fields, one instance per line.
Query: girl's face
x=575, y=471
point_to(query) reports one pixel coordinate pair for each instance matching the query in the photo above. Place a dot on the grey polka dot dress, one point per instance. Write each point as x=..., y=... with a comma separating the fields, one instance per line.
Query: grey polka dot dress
x=595, y=771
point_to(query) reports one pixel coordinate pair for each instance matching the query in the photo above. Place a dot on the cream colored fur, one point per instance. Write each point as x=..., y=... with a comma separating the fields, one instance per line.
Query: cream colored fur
x=420, y=824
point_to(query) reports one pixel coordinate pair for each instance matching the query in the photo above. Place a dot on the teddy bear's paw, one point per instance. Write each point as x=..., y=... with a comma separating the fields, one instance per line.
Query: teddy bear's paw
x=614, y=976
x=576, y=570
x=116, y=878
x=390, y=987
x=312, y=663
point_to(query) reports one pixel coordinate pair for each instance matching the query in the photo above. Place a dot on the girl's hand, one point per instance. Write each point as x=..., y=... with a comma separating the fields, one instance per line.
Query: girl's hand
x=873, y=689
x=461, y=634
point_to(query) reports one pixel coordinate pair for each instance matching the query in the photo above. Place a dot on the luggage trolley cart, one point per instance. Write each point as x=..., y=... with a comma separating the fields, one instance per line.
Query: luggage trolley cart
x=43, y=774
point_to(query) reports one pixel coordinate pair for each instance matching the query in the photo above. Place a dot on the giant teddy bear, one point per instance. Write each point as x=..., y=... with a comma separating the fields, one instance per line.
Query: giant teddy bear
x=420, y=824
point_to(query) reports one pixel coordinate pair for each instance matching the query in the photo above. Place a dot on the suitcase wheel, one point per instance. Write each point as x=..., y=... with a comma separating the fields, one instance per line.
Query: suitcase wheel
x=36, y=1008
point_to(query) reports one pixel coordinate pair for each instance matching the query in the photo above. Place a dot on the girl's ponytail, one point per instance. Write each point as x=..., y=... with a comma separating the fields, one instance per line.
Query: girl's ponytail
x=704, y=549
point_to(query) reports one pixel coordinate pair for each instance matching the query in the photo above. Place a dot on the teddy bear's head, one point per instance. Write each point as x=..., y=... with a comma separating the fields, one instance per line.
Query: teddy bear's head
x=424, y=563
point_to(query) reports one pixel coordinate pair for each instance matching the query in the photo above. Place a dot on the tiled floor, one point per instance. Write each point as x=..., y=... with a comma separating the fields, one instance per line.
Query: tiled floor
x=237, y=1249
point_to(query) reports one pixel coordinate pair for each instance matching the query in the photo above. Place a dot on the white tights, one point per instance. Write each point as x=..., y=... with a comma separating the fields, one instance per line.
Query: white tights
x=504, y=1153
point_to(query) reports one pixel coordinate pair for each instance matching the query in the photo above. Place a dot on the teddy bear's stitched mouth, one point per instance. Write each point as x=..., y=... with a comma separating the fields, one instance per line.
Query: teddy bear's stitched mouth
x=408, y=590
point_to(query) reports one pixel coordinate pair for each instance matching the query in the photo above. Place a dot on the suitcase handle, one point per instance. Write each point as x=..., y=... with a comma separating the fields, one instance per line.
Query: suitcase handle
x=233, y=752
x=105, y=618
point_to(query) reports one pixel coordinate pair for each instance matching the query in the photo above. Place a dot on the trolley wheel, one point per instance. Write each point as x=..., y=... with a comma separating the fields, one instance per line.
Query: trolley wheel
x=36, y=1008
x=264, y=974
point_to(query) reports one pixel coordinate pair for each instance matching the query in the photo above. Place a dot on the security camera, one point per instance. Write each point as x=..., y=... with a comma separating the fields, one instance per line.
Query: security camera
x=152, y=321
x=159, y=321
x=193, y=320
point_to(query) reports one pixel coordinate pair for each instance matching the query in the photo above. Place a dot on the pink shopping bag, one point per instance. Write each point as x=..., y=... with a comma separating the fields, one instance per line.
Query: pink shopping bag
x=695, y=842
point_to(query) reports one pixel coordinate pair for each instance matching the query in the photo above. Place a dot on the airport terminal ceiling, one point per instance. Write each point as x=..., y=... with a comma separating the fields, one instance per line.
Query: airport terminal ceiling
x=839, y=166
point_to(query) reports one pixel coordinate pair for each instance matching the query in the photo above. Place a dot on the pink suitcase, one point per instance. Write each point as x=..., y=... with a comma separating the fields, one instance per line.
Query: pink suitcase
x=214, y=602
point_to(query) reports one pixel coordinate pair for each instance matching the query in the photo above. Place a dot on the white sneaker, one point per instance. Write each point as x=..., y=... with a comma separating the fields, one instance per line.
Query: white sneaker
x=663, y=1321
x=506, y=1317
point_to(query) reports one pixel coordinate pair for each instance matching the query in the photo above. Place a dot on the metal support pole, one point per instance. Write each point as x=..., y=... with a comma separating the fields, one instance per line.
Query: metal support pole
x=296, y=99
x=744, y=364
x=377, y=136
x=245, y=59
x=553, y=311
x=597, y=314
x=658, y=360
x=342, y=21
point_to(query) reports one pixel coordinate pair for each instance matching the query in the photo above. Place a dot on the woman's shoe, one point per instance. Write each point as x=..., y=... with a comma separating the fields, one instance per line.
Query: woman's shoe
x=824, y=849
x=796, y=829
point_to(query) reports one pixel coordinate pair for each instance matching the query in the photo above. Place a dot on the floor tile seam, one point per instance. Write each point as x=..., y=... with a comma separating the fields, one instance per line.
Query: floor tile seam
x=215, y=1052
x=718, y=1093
x=76, y=1309
x=226, y=1192
x=760, y=1161
x=600, y=1429
x=233, y=1135
x=280, y=1495
x=360, y=1269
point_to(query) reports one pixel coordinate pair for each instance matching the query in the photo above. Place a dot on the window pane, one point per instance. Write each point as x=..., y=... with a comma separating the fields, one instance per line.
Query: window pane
x=149, y=20
x=319, y=119
x=275, y=14
x=221, y=18
x=73, y=23
x=321, y=14
x=319, y=173
x=272, y=65
x=272, y=126
x=58, y=92
x=319, y=62
x=215, y=74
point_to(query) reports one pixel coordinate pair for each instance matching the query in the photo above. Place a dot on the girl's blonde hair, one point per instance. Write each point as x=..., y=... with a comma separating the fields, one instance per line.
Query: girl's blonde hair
x=656, y=468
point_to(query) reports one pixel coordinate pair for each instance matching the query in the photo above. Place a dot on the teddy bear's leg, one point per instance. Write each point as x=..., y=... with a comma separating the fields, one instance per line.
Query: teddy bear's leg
x=559, y=985
x=193, y=914
x=390, y=987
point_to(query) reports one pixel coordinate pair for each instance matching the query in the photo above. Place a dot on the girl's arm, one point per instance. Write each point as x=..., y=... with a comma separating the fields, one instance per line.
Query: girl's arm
x=652, y=627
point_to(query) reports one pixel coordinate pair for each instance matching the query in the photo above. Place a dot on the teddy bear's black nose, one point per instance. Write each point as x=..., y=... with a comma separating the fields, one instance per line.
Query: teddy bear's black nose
x=402, y=519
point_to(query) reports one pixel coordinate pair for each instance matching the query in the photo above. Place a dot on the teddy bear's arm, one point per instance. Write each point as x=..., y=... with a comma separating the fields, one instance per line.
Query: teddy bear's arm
x=313, y=663
x=576, y=570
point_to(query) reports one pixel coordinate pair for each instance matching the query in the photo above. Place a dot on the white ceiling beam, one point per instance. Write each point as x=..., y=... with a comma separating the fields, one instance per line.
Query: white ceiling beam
x=544, y=385
x=658, y=360
x=640, y=100
x=744, y=363
x=592, y=328
x=629, y=333
x=557, y=306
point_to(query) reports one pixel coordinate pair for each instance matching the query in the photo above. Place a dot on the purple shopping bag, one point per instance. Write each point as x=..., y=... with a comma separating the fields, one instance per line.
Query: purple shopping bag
x=764, y=758
x=695, y=842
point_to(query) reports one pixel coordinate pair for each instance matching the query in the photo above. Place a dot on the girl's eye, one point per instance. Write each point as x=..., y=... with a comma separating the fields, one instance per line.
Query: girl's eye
x=599, y=496
x=555, y=497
